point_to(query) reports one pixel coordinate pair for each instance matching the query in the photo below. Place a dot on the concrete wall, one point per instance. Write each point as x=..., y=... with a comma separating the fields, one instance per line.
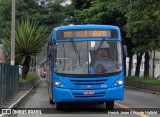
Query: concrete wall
x=134, y=64
x=157, y=64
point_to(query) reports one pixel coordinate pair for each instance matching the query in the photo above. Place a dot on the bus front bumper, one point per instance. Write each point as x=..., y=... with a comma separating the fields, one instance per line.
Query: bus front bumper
x=70, y=95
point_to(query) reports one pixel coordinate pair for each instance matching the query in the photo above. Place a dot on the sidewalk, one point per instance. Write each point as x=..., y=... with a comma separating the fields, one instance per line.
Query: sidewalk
x=17, y=99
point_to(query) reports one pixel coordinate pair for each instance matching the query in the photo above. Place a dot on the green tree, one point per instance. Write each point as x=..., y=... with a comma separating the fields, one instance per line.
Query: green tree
x=142, y=26
x=30, y=38
x=81, y=4
x=69, y=11
x=51, y=14
x=5, y=15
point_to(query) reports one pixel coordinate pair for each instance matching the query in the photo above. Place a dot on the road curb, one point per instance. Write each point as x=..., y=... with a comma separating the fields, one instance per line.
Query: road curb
x=144, y=90
x=15, y=104
x=141, y=85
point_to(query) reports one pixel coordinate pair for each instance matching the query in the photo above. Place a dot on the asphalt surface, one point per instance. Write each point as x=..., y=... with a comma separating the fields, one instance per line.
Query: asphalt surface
x=134, y=100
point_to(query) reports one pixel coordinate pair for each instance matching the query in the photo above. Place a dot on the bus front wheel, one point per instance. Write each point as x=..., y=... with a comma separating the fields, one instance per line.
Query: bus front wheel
x=51, y=101
x=109, y=105
x=58, y=105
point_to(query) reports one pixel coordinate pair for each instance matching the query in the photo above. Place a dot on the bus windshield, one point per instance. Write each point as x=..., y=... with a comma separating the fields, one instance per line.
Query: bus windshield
x=88, y=57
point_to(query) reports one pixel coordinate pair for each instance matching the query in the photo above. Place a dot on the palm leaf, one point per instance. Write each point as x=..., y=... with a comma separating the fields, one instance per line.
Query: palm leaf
x=30, y=38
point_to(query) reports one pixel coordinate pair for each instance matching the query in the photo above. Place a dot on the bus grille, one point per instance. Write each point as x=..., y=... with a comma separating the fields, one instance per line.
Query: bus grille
x=81, y=95
x=88, y=82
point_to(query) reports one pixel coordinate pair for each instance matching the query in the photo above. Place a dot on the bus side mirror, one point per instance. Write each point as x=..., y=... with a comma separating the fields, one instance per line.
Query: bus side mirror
x=125, y=51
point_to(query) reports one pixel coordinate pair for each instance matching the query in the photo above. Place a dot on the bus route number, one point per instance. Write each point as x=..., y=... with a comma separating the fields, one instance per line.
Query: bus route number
x=67, y=34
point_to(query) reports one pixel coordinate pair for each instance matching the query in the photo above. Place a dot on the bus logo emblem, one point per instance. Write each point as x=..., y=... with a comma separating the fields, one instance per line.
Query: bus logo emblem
x=89, y=86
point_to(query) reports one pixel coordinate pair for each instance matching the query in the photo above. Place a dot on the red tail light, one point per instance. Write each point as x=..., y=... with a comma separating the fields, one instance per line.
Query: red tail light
x=44, y=72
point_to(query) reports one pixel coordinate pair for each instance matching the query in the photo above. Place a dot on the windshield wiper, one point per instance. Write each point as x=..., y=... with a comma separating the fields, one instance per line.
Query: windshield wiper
x=75, y=49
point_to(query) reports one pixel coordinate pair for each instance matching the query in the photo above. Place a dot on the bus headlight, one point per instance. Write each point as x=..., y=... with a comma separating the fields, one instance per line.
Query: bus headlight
x=58, y=83
x=118, y=82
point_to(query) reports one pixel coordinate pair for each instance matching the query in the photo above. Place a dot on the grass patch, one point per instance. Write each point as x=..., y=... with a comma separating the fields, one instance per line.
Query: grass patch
x=30, y=76
x=143, y=80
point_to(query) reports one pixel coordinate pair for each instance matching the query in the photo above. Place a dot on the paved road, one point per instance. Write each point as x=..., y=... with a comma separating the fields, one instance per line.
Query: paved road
x=38, y=98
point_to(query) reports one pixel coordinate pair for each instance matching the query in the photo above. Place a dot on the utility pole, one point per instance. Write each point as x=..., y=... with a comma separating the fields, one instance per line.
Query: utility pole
x=13, y=33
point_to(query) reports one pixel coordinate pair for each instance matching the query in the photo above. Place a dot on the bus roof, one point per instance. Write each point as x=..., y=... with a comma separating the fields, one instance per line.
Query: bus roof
x=87, y=26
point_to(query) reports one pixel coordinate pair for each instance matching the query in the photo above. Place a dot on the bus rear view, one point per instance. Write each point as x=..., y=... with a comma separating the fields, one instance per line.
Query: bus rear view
x=85, y=65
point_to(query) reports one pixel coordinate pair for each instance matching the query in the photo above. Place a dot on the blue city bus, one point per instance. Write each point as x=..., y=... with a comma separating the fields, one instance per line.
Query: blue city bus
x=85, y=64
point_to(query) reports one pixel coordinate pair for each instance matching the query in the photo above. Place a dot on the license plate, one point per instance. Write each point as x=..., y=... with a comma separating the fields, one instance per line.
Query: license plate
x=88, y=92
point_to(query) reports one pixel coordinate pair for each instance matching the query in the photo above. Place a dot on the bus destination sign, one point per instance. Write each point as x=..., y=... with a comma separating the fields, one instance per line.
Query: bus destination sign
x=85, y=34
x=77, y=34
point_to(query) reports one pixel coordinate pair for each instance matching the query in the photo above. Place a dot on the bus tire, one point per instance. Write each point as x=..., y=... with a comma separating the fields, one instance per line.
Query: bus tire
x=58, y=105
x=51, y=101
x=109, y=105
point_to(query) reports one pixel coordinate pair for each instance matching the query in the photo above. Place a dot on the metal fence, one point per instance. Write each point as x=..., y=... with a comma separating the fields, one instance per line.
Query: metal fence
x=9, y=82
